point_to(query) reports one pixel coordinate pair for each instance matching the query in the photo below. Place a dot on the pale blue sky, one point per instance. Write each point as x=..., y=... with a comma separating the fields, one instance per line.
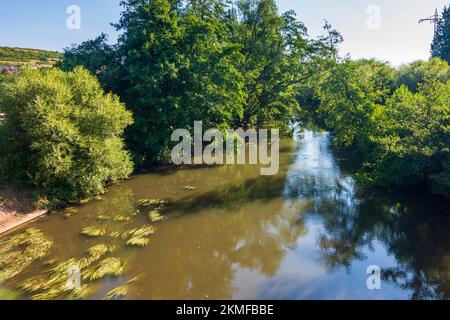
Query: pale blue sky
x=400, y=39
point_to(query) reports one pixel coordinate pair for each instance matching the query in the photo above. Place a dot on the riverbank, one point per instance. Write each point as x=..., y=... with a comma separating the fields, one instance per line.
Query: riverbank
x=16, y=209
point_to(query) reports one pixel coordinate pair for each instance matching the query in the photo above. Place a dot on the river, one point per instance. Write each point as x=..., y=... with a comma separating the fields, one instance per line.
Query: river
x=305, y=233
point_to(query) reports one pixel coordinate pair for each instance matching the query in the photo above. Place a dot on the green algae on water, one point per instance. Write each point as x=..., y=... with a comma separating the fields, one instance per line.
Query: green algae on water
x=52, y=283
x=108, y=267
x=93, y=231
x=68, y=212
x=139, y=237
x=155, y=216
x=121, y=291
x=122, y=218
x=18, y=252
x=103, y=217
x=151, y=202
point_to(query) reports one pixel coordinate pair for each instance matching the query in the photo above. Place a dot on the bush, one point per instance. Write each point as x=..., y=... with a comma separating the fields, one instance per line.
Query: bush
x=412, y=137
x=62, y=134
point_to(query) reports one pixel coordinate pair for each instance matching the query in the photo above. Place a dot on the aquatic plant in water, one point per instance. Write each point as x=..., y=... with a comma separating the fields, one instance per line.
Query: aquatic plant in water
x=103, y=217
x=151, y=202
x=68, y=212
x=108, y=267
x=93, y=231
x=139, y=237
x=52, y=283
x=120, y=291
x=115, y=234
x=18, y=252
x=155, y=216
x=122, y=218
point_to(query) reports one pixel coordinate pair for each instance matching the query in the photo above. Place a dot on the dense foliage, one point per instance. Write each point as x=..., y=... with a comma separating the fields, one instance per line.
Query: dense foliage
x=226, y=63
x=398, y=119
x=229, y=64
x=62, y=134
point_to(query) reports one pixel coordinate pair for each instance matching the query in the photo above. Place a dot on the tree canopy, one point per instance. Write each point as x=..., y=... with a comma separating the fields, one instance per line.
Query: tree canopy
x=62, y=134
x=225, y=63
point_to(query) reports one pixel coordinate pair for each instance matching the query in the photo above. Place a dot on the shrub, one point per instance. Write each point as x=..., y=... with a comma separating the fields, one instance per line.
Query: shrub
x=62, y=134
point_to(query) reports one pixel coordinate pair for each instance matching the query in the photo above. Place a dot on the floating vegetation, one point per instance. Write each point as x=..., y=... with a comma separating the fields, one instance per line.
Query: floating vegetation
x=103, y=217
x=96, y=252
x=93, y=231
x=135, y=213
x=120, y=292
x=49, y=262
x=115, y=234
x=139, y=237
x=17, y=253
x=53, y=283
x=68, y=212
x=138, y=241
x=155, y=216
x=152, y=202
x=122, y=218
x=109, y=267
x=79, y=293
x=189, y=188
x=144, y=231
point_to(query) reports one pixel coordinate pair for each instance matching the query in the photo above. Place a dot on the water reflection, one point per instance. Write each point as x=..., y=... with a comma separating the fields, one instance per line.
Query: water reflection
x=302, y=234
x=414, y=229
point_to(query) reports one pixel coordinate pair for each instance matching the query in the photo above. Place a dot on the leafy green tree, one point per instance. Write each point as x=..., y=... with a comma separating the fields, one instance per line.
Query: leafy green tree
x=416, y=73
x=413, y=137
x=277, y=56
x=149, y=80
x=177, y=67
x=62, y=134
x=441, y=42
x=96, y=55
x=223, y=63
x=349, y=93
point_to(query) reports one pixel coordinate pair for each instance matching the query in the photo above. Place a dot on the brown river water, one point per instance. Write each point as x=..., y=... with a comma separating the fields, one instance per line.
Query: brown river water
x=305, y=233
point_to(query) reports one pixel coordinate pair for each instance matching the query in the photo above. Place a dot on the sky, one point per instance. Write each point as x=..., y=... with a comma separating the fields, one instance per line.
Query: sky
x=384, y=29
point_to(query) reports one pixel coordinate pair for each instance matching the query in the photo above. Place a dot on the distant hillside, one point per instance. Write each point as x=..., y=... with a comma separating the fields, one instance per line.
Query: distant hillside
x=22, y=56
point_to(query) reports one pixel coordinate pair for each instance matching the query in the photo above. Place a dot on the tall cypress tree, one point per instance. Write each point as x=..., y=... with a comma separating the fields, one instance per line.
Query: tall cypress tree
x=441, y=42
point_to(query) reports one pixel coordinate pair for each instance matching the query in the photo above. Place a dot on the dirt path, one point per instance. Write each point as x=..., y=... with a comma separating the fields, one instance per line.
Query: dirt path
x=15, y=209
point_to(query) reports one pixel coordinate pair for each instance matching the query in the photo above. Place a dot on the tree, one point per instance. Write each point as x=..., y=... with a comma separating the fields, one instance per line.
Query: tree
x=349, y=93
x=277, y=56
x=96, y=55
x=177, y=67
x=412, y=135
x=441, y=41
x=62, y=134
x=207, y=60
